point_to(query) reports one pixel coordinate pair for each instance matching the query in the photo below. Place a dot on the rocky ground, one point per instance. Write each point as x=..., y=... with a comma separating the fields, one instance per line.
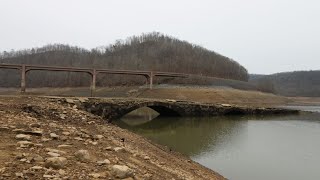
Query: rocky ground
x=49, y=138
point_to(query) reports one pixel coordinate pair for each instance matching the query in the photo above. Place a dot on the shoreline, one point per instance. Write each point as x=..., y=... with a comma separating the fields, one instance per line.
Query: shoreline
x=79, y=130
x=65, y=130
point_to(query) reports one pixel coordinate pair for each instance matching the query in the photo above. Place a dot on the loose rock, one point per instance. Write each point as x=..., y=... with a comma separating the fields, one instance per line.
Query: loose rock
x=35, y=125
x=146, y=158
x=121, y=171
x=65, y=146
x=37, y=158
x=82, y=155
x=70, y=101
x=108, y=148
x=66, y=133
x=106, y=161
x=55, y=151
x=25, y=144
x=56, y=162
x=95, y=175
x=118, y=149
x=54, y=136
x=52, y=154
x=33, y=133
x=36, y=168
x=97, y=137
x=19, y=175
x=23, y=137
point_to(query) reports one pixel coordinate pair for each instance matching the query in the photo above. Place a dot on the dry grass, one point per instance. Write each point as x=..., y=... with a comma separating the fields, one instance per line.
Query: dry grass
x=214, y=95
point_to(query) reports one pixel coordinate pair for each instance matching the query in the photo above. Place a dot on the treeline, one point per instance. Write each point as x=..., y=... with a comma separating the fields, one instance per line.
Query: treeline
x=298, y=83
x=152, y=51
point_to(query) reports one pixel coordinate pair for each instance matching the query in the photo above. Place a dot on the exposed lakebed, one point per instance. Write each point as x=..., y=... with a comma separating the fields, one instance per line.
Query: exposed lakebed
x=240, y=147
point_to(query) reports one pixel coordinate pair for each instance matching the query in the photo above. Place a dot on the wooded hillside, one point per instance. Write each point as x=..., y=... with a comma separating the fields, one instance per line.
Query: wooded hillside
x=299, y=83
x=153, y=51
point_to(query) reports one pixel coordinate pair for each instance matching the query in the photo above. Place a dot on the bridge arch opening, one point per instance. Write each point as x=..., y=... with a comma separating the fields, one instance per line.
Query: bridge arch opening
x=164, y=111
x=116, y=110
x=149, y=112
x=139, y=116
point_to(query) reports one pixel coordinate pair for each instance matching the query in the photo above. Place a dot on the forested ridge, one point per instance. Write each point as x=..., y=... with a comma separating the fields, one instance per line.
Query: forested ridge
x=298, y=83
x=152, y=51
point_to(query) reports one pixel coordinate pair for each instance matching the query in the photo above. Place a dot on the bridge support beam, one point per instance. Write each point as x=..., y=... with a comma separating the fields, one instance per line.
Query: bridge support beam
x=23, y=78
x=93, y=82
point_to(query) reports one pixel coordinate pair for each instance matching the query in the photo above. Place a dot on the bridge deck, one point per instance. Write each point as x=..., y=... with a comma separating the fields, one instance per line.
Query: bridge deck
x=92, y=71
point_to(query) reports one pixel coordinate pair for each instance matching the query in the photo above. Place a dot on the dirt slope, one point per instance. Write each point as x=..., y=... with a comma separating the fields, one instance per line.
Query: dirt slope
x=41, y=139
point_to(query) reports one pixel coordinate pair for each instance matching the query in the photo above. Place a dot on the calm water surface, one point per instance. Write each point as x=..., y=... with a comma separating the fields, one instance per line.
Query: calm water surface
x=241, y=147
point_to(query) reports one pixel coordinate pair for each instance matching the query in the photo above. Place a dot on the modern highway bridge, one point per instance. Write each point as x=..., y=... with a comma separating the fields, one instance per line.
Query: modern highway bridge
x=24, y=68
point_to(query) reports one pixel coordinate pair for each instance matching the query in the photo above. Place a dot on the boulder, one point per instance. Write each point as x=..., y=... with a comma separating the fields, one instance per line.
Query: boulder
x=121, y=171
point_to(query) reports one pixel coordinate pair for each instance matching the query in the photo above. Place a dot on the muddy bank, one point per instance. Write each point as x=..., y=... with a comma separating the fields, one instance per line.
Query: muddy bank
x=45, y=138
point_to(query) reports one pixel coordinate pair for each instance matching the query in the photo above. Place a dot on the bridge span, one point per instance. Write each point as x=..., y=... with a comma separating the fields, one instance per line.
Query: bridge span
x=149, y=75
x=114, y=108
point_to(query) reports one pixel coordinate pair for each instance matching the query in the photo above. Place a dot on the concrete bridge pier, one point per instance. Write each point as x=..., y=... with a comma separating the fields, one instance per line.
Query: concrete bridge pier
x=149, y=79
x=23, y=78
x=93, y=82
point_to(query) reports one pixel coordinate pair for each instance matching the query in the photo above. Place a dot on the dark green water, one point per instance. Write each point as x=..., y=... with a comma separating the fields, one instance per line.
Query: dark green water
x=241, y=147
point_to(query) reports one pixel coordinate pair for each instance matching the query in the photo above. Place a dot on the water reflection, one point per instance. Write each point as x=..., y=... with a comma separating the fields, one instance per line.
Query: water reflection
x=190, y=136
x=242, y=147
x=139, y=116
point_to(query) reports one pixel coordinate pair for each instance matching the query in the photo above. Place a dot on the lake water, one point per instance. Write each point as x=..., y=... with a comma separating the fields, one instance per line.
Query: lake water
x=240, y=147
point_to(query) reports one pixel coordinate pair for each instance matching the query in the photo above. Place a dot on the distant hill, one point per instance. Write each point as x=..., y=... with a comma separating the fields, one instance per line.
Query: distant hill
x=298, y=83
x=153, y=51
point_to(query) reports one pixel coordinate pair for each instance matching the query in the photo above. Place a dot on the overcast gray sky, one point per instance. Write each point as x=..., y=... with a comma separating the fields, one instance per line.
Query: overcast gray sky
x=266, y=36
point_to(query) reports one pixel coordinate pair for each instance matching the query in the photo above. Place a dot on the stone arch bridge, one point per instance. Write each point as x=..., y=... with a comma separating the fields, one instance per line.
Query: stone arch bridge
x=112, y=109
